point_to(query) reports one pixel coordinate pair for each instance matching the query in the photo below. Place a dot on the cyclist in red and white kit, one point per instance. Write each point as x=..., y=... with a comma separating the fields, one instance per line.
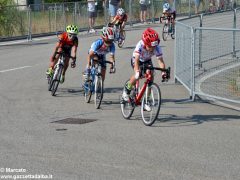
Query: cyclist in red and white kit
x=145, y=49
x=120, y=20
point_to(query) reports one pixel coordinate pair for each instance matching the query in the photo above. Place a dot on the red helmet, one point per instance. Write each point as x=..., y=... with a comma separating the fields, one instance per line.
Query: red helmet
x=150, y=37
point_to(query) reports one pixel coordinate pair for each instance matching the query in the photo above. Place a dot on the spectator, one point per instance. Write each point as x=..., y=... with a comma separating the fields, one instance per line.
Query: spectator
x=197, y=5
x=143, y=10
x=113, y=6
x=92, y=14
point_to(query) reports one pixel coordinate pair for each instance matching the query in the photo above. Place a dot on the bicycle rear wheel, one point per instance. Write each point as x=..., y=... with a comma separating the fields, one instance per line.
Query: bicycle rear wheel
x=165, y=31
x=121, y=41
x=127, y=107
x=56, y=78
x=151, y=104
x=98, y=91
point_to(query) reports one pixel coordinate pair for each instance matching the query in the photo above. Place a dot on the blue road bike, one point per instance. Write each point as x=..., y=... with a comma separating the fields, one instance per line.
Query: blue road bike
x=94, y=83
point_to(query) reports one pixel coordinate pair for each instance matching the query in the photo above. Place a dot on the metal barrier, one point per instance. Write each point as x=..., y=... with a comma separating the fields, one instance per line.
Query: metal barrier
x=40, y=19
x=207, y=59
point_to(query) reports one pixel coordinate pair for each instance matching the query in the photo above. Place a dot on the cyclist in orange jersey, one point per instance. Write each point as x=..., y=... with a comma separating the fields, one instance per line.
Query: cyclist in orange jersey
x=67, y=42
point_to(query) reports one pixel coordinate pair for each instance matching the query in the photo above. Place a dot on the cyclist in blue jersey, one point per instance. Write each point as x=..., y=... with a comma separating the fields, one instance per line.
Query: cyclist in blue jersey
x=99, y=49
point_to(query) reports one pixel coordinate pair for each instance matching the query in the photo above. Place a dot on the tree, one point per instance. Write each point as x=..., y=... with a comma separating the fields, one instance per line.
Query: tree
x=10, y=18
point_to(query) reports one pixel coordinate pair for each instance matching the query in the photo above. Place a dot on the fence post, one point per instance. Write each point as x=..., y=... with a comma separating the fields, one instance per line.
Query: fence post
x=49, y=19
x=65, y=18
x=55, y=16
x=152, y=9
x=105, y=12
x=130, y=12
x=189, y=8
x=234, y=33
x=193, y=32
x=29, y=38
x=75, y=12
x=200, y=43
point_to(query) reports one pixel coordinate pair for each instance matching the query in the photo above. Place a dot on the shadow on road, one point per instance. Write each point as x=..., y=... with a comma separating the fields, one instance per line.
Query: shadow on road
x=170, y=120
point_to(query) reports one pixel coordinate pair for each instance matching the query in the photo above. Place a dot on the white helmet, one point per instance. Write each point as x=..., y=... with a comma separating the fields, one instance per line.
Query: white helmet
x=166, y=6
x=120, y=11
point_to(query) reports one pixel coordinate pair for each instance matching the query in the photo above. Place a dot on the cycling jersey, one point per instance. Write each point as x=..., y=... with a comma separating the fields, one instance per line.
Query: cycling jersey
x=144, y=54
x=100, y=48
x=120, y=19
x=67, y=43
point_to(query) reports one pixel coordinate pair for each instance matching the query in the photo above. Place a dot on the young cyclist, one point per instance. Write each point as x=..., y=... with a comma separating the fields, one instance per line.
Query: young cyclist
x=67, y=42
x=169, y=12
x=147, y=47
x=99, y=49
x=120, y=20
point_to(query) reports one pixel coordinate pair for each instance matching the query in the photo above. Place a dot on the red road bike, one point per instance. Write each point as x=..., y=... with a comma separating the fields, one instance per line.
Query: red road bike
x=148, y=97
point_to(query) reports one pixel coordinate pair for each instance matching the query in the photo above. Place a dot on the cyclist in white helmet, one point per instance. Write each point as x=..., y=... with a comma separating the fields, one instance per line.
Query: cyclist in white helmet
x=99, y=49
x=168, y=12
x=67, y=42
x=120, y=20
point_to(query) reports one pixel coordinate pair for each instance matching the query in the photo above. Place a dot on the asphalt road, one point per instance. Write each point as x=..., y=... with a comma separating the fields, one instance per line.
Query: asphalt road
x=44, y=135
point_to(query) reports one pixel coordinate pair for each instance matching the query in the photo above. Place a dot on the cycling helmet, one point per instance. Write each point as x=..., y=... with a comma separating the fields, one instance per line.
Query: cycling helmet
x=107, y=34
x=72, y=29
x=120, y=12
x=150, y=37
x=166, y=6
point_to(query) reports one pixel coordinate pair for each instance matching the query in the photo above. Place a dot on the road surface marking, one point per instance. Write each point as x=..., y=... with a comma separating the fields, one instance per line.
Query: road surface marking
x=6, y=70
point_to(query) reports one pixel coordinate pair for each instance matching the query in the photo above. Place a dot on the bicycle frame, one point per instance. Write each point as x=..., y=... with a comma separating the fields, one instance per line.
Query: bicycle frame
x=139, y=95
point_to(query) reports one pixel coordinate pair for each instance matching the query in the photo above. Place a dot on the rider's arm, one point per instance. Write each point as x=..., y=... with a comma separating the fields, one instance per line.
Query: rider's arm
x=90, y=56
x=161, y=62
x=123, y=25
x=56, y=49
x=74, y=52
x=112, y=59
x=114, y=20
x=136, y=63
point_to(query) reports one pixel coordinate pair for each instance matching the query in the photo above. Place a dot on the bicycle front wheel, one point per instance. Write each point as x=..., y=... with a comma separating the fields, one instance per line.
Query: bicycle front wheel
x=50, y=79
x=127, y=107
x=165, y=32
x=121, y=41
x=87, y=87
x=56, y=78
x=151, y=104
x=98, y=91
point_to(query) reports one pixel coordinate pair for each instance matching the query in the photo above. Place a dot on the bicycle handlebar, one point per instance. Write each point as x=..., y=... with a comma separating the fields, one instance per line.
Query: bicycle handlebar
x=168, y=71
x=63, y=53
x=100, y=62
x=159, y=69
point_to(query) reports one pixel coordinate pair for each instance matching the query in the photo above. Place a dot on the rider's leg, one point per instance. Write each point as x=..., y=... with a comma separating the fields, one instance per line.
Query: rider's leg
x=64, y=70
x=65, y=65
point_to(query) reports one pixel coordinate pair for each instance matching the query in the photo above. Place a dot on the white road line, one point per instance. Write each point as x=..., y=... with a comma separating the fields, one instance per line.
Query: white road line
x=14, y=69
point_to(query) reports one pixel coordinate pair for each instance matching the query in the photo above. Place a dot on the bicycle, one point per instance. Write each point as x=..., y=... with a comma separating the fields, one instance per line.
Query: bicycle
x=94, y=83
x=149, y=97
x=53, y=81
x=168, y=27
x=119, y=38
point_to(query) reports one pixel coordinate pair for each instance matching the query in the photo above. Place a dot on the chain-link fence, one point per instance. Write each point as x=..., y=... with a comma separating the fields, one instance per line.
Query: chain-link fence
x=39, y=19
x=207, y=60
